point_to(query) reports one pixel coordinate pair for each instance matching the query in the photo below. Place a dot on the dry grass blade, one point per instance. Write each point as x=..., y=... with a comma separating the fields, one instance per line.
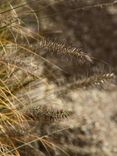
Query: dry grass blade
x=8, y=10
x=29, y=108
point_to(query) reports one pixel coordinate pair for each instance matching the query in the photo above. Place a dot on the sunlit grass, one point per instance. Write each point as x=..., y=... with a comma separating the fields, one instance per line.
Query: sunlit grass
x=15, y=36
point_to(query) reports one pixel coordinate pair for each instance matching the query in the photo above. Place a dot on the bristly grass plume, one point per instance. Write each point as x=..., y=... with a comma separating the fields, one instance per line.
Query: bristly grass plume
x=22, y=65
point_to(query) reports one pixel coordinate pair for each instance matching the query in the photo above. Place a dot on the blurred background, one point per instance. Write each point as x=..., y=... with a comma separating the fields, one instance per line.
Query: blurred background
x=90, y=25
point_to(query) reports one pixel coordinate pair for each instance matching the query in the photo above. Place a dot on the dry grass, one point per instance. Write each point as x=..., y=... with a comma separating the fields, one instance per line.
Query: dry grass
x=24, y=57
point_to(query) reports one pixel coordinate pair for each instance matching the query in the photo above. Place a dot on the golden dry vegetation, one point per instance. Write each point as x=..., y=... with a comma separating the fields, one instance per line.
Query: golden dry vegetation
x=58, y=85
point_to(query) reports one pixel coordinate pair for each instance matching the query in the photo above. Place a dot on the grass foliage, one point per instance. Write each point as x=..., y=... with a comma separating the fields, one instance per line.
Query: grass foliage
x=18, y=45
